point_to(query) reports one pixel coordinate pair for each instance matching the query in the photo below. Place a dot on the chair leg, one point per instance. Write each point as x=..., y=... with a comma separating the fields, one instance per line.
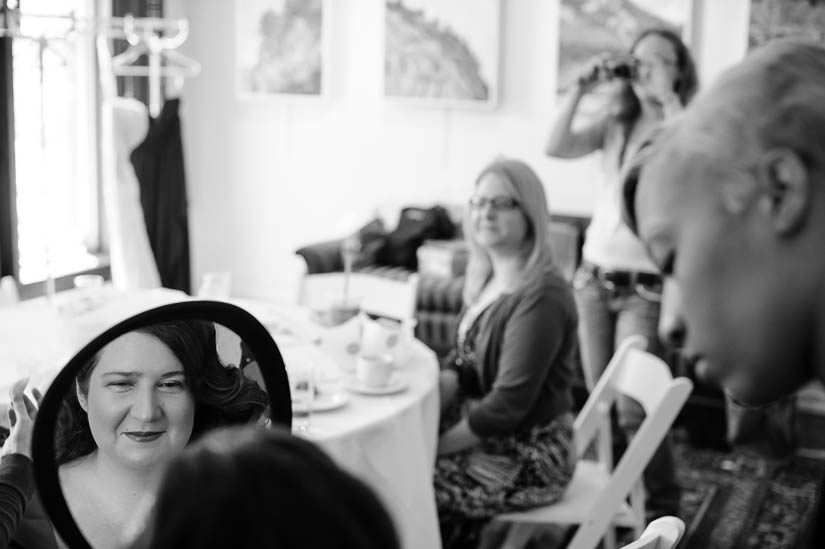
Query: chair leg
x=518, y=535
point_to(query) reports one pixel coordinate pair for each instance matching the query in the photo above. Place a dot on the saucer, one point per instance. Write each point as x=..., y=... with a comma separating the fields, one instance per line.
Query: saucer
x=324, y=402
x=396, y=384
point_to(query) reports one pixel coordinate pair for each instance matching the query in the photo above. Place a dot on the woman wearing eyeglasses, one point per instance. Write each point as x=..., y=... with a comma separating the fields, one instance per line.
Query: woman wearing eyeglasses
x=617, y=288
x=506, y=438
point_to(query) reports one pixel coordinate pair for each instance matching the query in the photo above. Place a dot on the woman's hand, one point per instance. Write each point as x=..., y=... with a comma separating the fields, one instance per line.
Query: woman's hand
x=591, y=74
x=671, y=104
x=21, y=419
x=459, y=437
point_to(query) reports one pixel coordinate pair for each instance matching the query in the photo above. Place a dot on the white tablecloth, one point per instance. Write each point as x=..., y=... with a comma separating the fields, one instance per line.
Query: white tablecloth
x=38, y=337
x=387, y=441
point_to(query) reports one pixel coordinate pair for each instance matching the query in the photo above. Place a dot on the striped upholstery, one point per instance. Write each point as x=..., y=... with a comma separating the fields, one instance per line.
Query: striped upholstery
x=439, y=299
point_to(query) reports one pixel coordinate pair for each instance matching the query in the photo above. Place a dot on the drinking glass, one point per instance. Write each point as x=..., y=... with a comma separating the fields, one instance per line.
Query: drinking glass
x=216, y=285
x=302, y=387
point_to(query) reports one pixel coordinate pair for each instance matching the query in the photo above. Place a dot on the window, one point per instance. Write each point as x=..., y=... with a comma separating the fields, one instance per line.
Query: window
x=54, y=178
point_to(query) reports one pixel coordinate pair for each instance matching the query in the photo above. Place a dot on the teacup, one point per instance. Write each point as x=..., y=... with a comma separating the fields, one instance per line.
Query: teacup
x=343, y=343
x=384, y=336
x=215, y=285
x=380, y=336
x=373, y=370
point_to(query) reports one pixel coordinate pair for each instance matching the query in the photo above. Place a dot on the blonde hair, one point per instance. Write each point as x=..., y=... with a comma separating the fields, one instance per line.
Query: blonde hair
x=528, y=190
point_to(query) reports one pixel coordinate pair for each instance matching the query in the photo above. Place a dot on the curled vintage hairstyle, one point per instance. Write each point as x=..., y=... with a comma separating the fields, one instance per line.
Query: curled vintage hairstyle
x=528, y=191
x=251, y=487
x=222, y=394
x=687, y=82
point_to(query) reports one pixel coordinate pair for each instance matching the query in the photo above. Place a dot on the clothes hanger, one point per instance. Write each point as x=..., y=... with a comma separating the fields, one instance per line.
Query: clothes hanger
x=163, y=59
x=147, y=42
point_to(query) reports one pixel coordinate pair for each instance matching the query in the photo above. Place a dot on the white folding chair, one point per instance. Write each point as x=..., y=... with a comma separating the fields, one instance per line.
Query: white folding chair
x=377, y=295
x=596, y=496
x=662, y=533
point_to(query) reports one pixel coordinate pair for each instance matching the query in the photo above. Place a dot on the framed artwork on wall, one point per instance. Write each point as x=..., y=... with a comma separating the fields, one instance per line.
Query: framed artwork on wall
x=588, y=28
x=281, y=48
x=771, y=19
x=442, y=53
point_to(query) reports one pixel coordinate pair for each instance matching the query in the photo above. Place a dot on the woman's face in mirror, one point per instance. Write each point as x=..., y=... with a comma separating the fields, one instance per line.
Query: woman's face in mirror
x=130, y=401
x=140, y=408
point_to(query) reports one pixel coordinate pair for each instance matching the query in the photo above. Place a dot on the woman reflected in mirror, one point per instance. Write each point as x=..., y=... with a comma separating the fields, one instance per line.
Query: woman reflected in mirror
x=137, y=403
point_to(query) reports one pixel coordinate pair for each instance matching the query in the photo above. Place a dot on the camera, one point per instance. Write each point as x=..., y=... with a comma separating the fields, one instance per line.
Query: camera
x=621, y=68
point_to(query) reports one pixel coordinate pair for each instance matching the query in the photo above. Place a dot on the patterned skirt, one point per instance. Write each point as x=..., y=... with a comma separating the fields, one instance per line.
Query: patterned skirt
x=502, y=474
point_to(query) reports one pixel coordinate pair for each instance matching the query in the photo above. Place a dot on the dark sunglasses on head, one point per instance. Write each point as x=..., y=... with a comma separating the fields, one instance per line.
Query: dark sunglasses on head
x=497, y=202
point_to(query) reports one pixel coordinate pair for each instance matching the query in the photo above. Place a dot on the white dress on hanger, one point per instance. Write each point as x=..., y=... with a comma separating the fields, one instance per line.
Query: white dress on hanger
x=132, y=261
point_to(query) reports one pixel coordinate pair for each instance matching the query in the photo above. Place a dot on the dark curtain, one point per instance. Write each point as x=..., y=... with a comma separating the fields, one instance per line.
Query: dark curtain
x=158, y=163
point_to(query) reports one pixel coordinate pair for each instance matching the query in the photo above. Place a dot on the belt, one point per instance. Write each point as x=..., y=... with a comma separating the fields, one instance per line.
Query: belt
x=623, y=279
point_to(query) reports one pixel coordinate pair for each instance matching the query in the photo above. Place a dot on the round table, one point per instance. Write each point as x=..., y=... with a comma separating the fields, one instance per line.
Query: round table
x=388, y=441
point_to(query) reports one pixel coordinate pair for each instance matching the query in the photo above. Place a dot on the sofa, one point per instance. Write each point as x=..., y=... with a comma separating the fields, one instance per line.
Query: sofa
x=439, y=298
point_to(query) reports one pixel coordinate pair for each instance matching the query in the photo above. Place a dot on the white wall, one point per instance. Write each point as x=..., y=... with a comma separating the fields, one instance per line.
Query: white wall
x=266, y=177
x=722, y=37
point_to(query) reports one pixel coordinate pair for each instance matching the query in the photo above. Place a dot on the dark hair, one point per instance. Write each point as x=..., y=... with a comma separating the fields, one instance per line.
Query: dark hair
x=222, y=394
x=686, y=85
x=251, y=487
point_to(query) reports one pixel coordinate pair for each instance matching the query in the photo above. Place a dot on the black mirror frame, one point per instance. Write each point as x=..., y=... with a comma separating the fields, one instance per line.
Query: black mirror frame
x=245, y=325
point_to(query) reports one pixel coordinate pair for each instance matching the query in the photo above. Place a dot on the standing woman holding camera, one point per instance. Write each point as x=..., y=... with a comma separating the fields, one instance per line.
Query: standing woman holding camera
x=618, y=287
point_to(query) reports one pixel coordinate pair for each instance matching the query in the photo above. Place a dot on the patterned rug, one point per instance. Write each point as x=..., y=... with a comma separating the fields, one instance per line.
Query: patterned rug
x=739, y=499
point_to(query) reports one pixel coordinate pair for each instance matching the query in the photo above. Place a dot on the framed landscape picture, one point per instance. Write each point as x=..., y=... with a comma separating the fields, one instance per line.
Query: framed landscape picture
x=771, y=19
x=442, y=53
x=281, y=47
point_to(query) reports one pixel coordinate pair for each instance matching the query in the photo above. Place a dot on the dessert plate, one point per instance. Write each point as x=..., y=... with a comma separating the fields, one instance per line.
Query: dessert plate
x=396, y=384
x=324, y=402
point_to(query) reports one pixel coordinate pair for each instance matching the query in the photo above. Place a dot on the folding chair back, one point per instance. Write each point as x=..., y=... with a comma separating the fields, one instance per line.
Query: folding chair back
x=596, y=496
x=662, y=533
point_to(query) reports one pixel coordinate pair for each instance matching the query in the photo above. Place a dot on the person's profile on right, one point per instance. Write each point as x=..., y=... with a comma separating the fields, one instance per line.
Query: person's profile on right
x=730, y=204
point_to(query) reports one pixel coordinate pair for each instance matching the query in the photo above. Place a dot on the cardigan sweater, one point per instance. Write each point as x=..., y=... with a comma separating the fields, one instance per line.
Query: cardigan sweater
x=16, y=490
x=23, y=520
x=526, y=346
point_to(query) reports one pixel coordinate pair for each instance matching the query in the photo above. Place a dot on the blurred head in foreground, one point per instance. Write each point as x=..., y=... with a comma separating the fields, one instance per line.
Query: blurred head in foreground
x=250, y=487
x=730, y=203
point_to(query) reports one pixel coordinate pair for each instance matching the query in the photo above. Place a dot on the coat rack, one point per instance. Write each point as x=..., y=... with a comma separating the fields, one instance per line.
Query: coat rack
x=143, y=36
x=156, y=38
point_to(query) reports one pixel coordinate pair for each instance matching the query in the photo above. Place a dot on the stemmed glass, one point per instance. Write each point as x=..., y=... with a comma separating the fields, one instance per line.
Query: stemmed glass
x=350, y=247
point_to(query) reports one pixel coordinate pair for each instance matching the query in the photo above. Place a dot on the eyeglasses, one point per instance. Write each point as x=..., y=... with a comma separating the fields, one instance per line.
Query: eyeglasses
x=655, y=61
x=498, y=203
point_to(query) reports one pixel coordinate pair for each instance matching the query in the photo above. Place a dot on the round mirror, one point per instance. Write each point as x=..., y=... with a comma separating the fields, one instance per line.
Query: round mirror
x=136, y=395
